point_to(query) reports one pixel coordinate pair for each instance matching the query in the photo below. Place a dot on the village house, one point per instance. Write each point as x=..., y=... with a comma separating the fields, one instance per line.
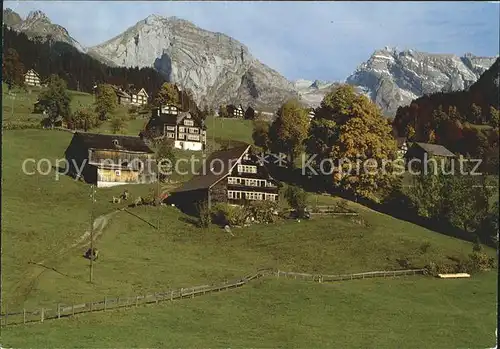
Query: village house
x=180, y=127
x=138, y=97
x=418, y=152
x=110, y=160
x=232, y=176
x=31, y=78
x=123, y=97
x=235, y=111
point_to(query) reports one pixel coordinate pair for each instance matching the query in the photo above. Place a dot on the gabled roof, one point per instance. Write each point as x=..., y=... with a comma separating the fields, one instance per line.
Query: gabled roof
x=135, y=91
x=113, y=142
x=33, y=71
x=434, y=149
x=221, y=163
x=174, y=119
x=400, y=141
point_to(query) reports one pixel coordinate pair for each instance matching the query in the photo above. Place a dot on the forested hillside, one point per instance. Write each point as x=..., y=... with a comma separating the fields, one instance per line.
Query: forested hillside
x=466, y=122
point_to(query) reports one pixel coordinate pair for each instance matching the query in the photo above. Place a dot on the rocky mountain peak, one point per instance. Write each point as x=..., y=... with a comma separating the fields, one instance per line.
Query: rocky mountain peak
x=38, y=25
x=37, y=16
x=11, y=18
x=393, y=78
x=214, y=66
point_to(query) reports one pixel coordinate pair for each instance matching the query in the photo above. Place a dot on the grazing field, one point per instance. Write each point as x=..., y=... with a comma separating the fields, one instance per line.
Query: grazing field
x=412, y=312
x=17, y=106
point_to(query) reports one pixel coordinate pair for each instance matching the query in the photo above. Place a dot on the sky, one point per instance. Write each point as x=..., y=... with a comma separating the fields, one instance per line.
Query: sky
x=301, y=40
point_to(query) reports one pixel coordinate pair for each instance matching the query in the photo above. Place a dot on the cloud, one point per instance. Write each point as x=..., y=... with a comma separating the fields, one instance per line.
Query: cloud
x=312, y=40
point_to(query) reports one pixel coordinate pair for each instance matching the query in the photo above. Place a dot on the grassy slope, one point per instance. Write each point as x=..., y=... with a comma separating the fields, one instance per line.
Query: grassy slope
x=413, y=312
x=19, y=109
x=54, y=214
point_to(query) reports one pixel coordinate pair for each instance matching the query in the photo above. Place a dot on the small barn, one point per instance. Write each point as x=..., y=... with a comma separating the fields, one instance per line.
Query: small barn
x=417, y=153
x=110, y=160
x=231, y=176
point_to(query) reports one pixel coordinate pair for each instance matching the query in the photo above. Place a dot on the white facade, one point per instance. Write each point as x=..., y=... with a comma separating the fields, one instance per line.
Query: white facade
x=102, y=184
x=141, y=98
x=31, y=78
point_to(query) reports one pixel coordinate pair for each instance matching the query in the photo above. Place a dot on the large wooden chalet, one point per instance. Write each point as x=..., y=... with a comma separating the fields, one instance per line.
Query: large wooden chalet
x=231, y=176
x=110, y=160
x=185, y=131
x=31, y=78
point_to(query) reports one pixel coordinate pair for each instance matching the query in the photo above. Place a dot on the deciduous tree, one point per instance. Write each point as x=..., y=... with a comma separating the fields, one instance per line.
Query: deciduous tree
x=55, y=99
x=347, y=128
x=290, y=130
x=167, y=94
x=12, y=69
x=260, y=135
x=84, y=118
x=106, y=100
x=118, y=123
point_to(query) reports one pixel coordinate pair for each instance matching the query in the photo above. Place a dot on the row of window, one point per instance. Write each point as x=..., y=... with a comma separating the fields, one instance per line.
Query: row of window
x=190, y=129
x=247, y=169
x=189, y=122
x=248, y=195
x=184, y=136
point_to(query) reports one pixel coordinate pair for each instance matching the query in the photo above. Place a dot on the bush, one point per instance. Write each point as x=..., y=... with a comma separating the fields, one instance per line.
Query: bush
x=263, y=211
x=480, y=261
x=440, y=268
x=21, y=126
x=203, y=215
x=297, y=199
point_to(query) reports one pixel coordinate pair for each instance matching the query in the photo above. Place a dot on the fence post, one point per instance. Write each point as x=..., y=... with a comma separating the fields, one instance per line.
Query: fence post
x=91, y=306
x=73, y=309
x=41, y=315
x=24, y=315
x=105, y=303
x=156, y=296
x=278, y=273
x=171, y=295
x=181, y=291
x=117, y=302
x=6, y=312
x=58, y=310
x=136, y=301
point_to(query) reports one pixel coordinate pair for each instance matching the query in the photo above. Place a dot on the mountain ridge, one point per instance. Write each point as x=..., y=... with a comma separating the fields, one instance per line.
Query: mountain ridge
x=218, y=69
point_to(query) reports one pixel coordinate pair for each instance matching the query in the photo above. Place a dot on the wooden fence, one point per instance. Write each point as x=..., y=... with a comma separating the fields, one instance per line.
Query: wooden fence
x=110, y=303
x=341, y=277
x=330, y=210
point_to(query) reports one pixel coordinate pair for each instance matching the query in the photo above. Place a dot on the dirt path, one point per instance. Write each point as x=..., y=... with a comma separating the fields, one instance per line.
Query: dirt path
x=30, y=277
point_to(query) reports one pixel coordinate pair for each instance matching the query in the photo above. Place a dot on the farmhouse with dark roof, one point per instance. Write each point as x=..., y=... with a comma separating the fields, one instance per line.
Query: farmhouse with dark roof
x=231, y=176
x=109, y=160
